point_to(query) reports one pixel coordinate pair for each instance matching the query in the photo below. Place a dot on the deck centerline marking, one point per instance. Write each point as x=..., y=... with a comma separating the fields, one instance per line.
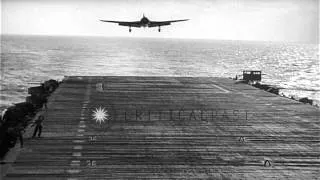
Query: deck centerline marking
x=78, y=147
x=77, y=154
x=75, y=163
x=78, y=141
x=73, y=171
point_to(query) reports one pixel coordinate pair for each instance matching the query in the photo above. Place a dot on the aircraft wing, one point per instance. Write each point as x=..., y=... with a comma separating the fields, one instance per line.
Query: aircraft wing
x=164, y=23
x=125, y=23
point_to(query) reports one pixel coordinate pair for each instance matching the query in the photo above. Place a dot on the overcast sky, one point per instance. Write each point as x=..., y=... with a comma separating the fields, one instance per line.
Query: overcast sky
x=269, y=20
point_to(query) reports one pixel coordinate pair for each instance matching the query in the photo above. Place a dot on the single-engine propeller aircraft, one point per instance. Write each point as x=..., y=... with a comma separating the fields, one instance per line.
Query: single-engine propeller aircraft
x=144, y=22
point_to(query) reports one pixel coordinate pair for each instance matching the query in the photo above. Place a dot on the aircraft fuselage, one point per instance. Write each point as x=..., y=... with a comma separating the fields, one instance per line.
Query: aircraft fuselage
x=145, y=22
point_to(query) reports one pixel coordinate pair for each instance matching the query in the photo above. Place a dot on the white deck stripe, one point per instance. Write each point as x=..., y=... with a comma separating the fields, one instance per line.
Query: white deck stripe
x=77, y=147
x=78, y=141
x=77, y=154
x=82, y=126
x=75, y=163
x=221, y=88
x=73, y=171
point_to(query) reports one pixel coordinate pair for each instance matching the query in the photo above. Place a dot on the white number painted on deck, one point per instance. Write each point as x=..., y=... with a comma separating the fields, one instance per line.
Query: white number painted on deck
x=92, y=138
x=91, y=163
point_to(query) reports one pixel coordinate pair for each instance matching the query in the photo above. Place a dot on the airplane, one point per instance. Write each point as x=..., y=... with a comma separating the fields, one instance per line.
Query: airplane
x=144, y=22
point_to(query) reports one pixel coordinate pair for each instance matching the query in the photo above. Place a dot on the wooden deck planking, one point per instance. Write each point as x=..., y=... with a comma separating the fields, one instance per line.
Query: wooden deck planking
x=185, y=146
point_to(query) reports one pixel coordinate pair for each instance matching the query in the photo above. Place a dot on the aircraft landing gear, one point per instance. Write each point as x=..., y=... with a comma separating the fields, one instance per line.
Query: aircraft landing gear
x=159, y=29
x=130, y=29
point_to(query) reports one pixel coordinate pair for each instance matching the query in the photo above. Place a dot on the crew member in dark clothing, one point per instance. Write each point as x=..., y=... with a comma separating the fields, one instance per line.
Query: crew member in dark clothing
x=17, y=132
x=45, y=101
x=38, y=124
x=20, y=132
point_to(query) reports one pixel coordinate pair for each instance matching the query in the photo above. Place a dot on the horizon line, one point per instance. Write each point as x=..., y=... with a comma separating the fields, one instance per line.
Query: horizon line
x=150, y=37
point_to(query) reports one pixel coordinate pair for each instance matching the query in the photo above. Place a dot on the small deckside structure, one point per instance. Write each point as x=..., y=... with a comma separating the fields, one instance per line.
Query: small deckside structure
x=252, y=75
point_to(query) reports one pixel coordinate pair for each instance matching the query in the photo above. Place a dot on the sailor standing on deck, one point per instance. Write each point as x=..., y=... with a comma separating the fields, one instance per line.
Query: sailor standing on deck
x=38, y=124
x=45, y=101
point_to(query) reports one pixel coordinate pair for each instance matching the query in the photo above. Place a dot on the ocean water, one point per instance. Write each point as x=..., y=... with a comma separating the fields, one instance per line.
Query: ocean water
x=28, y=60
